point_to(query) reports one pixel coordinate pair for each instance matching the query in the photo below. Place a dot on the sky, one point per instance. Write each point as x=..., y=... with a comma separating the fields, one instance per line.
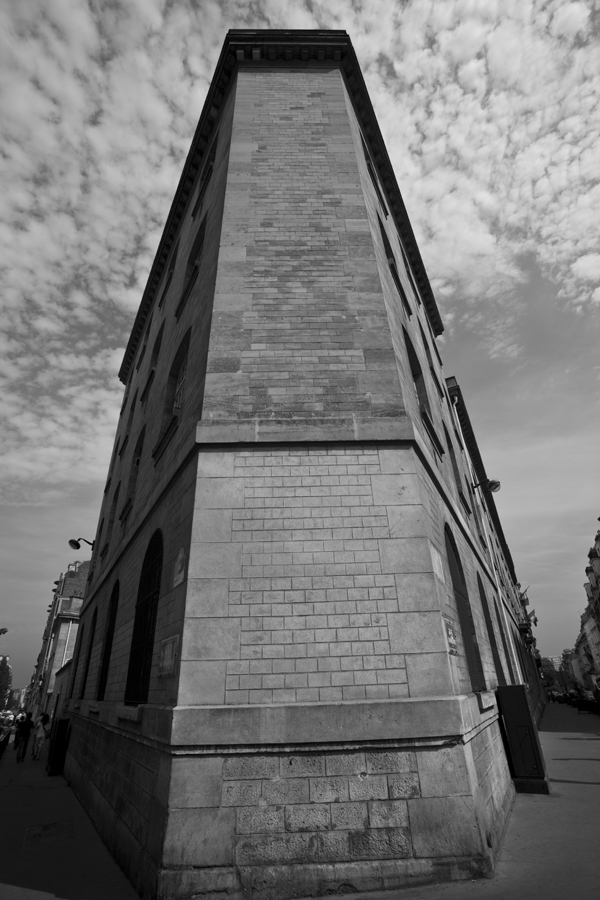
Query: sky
x=491, y=116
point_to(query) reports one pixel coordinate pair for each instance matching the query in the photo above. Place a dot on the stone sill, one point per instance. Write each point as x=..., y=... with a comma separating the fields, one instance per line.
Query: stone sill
x=486, y=700
x=130, y=713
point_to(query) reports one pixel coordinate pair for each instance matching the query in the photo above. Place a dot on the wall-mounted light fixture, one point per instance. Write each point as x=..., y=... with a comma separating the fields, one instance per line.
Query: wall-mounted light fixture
x=75, y=544
x=490, y=484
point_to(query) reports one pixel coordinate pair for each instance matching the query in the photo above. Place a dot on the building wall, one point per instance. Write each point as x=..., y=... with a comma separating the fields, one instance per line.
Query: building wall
x=319, y=731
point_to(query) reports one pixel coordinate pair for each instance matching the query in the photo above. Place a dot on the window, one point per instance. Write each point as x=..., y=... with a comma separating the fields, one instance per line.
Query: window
x=389, y=255
x=505, y=646
x=111, y=520
x=205, y=177
x=133, y=475
x=175, y=394
x=409, y=272
x=491, y=633
x=465, y=615
x=421, y=390
x=373, y=177
x=144, y=344
x=144, y=626
x=153, y=364
x=456, y=471
x=97, y=545
x=88, y=655
x=125, y=396
x=192, y=268
x=109, y=633
x=169, y=277
x=76, y=656
x=129, y=424
x=430, y=362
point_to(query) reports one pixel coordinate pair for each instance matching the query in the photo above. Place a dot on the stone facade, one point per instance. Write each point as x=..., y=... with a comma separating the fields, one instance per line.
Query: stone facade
x=326, y=623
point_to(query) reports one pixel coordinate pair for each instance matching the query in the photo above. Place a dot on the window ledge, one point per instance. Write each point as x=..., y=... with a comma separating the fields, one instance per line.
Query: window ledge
x=161, y=444
x=130, y=713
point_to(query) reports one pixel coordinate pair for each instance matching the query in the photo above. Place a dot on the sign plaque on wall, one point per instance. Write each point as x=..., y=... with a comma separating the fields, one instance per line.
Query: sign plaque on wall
x=168, y=656
x=179, y=575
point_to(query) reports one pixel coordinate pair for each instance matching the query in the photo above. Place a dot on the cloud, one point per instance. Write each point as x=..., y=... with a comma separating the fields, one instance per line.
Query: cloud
x=490, y=113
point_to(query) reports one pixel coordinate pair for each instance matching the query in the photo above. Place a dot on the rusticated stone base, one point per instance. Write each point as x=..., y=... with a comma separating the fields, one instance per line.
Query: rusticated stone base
x=314, y=879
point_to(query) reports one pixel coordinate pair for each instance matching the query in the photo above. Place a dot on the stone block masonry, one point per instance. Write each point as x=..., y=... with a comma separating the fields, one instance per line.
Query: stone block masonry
x=286, y=823
x=292, y=548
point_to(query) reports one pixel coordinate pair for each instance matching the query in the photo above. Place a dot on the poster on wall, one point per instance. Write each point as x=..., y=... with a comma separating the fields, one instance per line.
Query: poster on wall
x=451, y=638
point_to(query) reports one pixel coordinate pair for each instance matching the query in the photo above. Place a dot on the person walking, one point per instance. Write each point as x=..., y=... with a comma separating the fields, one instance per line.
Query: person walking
x=40, y=733
x=24, y=730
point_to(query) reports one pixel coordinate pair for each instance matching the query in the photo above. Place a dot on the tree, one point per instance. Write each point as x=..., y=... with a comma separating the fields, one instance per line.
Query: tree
x=549, y=672
x=5, y=680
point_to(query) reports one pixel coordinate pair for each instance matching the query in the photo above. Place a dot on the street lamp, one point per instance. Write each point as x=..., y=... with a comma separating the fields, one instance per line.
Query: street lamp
x=75, y=544
x=490, y=484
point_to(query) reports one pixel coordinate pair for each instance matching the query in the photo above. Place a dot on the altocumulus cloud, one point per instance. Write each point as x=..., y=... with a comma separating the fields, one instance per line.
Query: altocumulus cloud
x=490, y=113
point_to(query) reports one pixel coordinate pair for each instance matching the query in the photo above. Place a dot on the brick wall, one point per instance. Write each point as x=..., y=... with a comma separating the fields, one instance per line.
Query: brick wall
x=299, y=322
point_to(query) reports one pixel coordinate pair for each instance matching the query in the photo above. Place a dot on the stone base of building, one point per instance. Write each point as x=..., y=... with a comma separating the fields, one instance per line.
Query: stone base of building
x=315, y=879
x=421, y=794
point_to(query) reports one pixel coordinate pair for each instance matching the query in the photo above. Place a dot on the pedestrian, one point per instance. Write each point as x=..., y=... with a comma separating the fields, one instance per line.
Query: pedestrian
x=40, y=733
x=24, y=730
x=20, y=717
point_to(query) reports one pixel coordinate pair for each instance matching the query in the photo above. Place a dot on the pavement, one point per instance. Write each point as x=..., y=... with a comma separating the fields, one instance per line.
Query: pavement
x=49, y=848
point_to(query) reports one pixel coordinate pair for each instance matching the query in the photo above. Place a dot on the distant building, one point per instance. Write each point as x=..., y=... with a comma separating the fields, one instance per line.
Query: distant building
x=584, y=661
x=59, y=636
x=16, y=698
x=300, y=600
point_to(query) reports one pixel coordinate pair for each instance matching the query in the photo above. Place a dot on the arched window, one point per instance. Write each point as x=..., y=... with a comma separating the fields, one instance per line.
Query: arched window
x=491, y=633
x=88, y=655
x=76, y=656
x=109, y=634
x=144, y=625
x=465, y=615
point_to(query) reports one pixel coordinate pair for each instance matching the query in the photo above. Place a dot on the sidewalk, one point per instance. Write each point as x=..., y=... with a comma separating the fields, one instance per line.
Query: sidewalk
x=48, y=844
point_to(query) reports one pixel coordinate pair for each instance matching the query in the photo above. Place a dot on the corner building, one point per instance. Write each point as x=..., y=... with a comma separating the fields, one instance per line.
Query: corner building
x=283, y=684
